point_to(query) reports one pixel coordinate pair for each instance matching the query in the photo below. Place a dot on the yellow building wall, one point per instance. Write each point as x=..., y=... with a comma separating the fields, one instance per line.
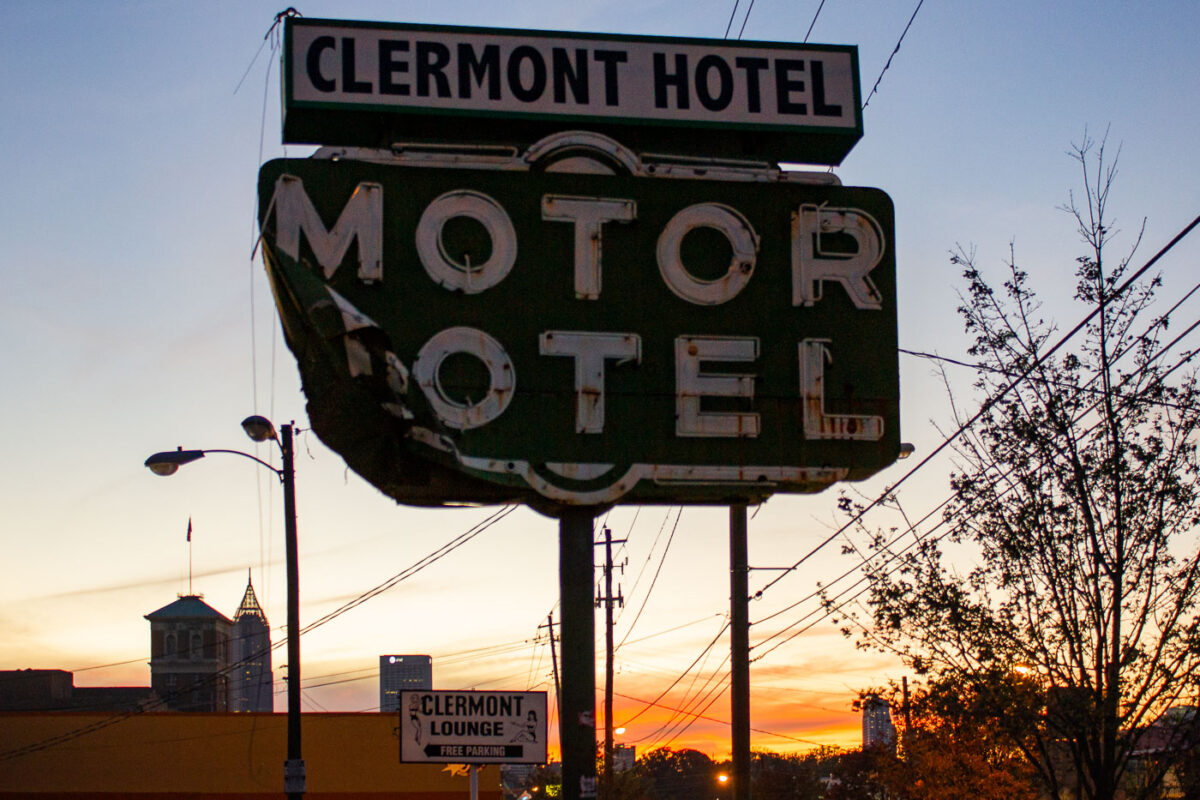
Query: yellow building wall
x=172, y=755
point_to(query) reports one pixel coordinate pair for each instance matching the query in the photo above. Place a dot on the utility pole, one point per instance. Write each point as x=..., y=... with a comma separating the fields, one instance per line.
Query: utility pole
x=608, y=599
x=577, y=708
x=739, y=645
x=553, y=660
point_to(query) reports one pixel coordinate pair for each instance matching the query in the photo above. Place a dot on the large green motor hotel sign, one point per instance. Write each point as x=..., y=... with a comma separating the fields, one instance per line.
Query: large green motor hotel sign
x=474, y=334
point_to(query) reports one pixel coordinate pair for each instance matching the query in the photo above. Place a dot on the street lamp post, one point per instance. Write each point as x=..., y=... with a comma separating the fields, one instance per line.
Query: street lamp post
x=260, y=429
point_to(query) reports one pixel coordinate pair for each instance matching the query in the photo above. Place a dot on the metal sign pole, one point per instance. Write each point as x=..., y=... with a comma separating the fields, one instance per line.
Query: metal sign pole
x=577, y=711
x=739, y=613
x=474, y=780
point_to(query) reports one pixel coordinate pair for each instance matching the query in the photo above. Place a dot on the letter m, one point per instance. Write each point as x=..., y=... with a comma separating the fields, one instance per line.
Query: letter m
x=361, y=218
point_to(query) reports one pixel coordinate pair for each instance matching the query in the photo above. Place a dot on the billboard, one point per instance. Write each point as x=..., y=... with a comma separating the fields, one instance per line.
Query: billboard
x=375, y=84
x=449, y=727
x=487, y=333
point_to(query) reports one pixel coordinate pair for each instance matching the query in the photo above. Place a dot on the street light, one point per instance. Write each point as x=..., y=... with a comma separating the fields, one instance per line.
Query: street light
x=722, y=782
x=260, y=429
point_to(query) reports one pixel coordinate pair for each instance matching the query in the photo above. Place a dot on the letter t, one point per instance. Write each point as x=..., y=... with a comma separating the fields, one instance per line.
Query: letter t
x=588, y=214
x=590, y=351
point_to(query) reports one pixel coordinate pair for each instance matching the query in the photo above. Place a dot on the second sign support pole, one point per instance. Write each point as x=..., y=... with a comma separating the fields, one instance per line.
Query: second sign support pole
x=739, y=637
x=577, y=710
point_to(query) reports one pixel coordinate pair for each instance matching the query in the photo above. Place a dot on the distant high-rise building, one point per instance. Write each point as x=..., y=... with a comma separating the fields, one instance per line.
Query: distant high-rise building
x=624, y=757
x=402, y=672
x=251, y=679
x=189, y=655
x=877, y=727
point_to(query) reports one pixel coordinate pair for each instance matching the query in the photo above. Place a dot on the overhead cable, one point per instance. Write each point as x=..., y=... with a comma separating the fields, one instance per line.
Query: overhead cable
x=895, y=50
x=986, y=405
x=1161, y=351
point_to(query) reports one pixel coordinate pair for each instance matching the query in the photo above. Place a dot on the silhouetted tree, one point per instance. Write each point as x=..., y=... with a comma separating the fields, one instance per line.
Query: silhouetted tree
x=785, y=777
x=1074, y=511
x=956, y=741
x=851, y=775
x=544, y=781
x=678, y=774
x=627, y=784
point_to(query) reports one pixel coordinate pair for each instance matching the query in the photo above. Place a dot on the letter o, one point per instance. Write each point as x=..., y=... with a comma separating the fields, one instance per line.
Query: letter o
x=742, y=239
x=441, y=266
x=704, y=68
x=474, y=342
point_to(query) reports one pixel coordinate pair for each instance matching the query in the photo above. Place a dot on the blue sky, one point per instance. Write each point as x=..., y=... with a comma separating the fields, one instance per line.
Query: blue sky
x=134, y=321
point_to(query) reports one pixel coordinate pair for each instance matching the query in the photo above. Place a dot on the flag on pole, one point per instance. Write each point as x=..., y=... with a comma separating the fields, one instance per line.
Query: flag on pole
x=189, y=529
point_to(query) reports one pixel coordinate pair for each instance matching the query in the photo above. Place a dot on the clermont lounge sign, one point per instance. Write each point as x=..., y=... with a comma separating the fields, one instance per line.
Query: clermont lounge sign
x=452, y=727
x=583, y=339
x=375, y=84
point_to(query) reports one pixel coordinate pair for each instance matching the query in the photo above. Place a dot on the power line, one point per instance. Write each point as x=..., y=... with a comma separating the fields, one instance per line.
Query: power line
x=850, y=571
x=700, y=694
x=688, y=669
x=676, y=628
x=462, y=656
x=746, y=19
x=716, y=693
x=161, y=702
x=895, y=50
x=814, y=21
x=1160, y=352
x=831, y=610
x=407, y=573
x=986, y=405
x=437, y=555
x=1060, y=384
x=649, y=554
x=661, y=561
x=836, y=609
x=732, y=14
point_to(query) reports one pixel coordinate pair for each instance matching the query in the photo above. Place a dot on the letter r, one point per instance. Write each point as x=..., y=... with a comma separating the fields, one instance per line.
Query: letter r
x=814, y=262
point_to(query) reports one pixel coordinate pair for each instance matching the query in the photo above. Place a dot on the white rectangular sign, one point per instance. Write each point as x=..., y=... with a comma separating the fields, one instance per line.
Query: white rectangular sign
x=607, y=78
x=374, y=84
x=472, y=727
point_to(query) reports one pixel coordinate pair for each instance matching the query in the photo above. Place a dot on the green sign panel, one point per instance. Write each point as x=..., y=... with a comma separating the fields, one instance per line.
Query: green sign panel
x=478, y=334
x=375, y=84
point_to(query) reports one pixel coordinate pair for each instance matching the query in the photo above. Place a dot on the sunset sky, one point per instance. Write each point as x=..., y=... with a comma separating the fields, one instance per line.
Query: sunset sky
x=135, y=320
